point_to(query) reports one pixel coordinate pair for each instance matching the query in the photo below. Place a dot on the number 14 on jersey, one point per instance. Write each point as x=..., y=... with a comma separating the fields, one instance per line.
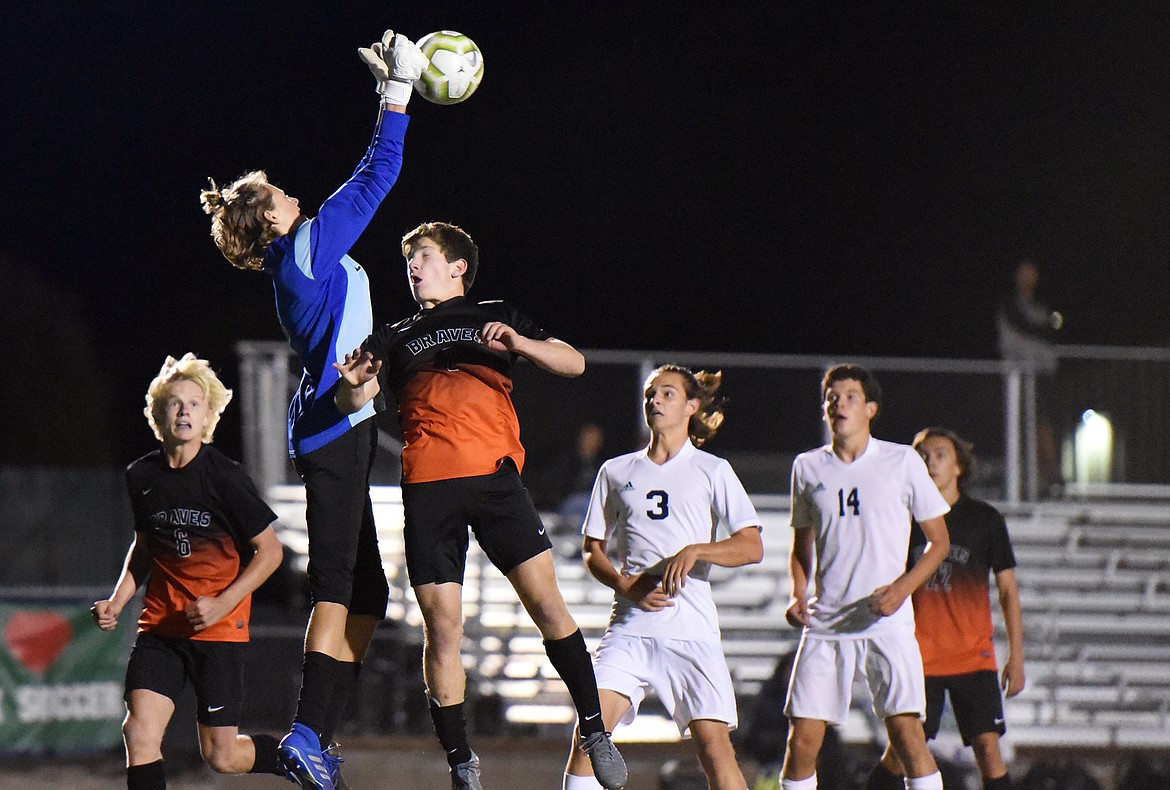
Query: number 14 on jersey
x=850, y=500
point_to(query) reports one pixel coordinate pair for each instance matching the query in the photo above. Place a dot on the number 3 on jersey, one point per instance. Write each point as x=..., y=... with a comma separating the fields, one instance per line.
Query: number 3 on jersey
x=851, y=501
x=661, y=504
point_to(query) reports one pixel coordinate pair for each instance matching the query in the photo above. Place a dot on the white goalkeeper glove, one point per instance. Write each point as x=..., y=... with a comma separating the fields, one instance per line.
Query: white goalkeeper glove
x=396, y=62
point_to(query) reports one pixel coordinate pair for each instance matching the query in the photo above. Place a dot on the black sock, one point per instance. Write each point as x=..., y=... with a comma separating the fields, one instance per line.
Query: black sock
x=318, y=676
x=1002, y=783
x=152, y=776
x=570, y=658
x=880, y=778
x=347, y=674
x=266, y=761
x=452, y=731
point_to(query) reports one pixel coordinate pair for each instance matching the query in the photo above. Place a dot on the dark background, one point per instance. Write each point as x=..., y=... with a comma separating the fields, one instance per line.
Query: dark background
x=837, y=178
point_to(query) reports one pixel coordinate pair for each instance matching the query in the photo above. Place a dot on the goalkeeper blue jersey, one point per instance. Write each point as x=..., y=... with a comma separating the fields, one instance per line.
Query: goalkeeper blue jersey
x=323, y=295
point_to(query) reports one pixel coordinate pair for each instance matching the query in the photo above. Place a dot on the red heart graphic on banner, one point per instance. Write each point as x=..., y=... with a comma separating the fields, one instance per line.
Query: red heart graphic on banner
x=35, y=639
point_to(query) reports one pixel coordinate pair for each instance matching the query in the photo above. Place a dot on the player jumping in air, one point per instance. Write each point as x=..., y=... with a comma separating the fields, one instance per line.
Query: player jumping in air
x=953, y=615
x=448, y=368
x=203, y=542
x=852, y=501
x=323, y=303
x=662, y=506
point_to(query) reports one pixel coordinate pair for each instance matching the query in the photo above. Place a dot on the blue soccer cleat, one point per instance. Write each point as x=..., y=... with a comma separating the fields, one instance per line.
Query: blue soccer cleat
x=304, y=763
x=333, y=761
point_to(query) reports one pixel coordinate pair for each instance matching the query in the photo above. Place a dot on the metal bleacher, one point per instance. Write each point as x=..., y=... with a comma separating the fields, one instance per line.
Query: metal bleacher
x=1094, y=582
x=1095, y=590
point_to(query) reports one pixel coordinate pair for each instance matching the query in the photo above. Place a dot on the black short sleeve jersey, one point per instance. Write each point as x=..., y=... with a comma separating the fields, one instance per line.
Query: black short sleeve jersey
x=453, y=393
x=197, y=522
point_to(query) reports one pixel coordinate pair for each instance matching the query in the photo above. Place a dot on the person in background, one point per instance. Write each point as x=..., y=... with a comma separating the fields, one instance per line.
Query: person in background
x=953, y=616
x=852, y=502
x=663, y=508
x=203, y=542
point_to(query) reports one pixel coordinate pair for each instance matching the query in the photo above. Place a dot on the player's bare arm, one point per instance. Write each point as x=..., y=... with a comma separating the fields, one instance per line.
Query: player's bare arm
x=207, y=610
x=359, y=381
x=800, y=561
x=555, y=356
x=888, y=599
x=135, y=569
x=745, y=547
x=642, y=590
x=1012, y=680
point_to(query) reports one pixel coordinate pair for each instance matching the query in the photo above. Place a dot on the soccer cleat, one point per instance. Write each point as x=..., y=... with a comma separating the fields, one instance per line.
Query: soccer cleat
x=304, y=764
x=465, y=776
x=608, y=766
x=333, y=761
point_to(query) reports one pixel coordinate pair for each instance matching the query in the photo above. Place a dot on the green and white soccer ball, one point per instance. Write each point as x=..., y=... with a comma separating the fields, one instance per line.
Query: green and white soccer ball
x=456, y=67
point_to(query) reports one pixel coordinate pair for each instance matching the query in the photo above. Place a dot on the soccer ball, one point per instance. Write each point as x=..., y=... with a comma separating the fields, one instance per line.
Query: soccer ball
x=456, y=67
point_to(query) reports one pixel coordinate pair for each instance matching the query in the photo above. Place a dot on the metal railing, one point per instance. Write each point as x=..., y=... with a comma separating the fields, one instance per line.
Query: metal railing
x=775, y=408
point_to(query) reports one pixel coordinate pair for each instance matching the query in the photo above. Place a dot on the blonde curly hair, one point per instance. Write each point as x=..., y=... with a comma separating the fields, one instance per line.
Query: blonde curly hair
x=187, y=368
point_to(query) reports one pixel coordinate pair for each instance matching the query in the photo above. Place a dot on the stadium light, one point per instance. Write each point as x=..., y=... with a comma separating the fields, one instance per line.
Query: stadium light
x=1093, y=448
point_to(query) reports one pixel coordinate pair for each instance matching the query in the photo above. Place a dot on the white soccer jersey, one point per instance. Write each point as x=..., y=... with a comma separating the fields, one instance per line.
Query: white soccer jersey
x=648, y=512
x=861, y=513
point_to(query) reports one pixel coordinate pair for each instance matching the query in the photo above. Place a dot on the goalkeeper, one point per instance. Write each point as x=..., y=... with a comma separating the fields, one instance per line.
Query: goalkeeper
x=323, y=305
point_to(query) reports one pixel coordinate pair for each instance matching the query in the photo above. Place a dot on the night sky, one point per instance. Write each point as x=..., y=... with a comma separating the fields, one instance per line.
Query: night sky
x=819, y=177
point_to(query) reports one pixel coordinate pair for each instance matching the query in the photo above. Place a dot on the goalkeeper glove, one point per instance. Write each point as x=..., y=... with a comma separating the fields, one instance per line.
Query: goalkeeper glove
x=396, y=62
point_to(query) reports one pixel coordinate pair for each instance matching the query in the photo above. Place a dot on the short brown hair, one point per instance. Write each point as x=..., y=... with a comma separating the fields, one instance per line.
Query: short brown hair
x=964, y=450
x=452, y=240
x=238, y=226
x=869, y=383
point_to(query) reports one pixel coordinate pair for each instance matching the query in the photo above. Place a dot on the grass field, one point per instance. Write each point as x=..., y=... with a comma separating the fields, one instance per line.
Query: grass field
x=381, y=764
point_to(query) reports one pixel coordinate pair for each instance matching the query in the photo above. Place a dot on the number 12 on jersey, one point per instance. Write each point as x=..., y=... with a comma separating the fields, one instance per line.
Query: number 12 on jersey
x=851, y=501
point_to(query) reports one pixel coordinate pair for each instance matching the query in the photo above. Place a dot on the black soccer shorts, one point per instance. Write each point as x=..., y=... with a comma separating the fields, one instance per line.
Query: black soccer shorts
x=975, y=699
x=496, y=506
x=216, y=669
x=345, y=565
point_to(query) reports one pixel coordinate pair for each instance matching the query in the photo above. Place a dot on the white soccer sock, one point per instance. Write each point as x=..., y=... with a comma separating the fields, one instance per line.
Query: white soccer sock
x=799, y=784
x=931, y=782
x=581, y=783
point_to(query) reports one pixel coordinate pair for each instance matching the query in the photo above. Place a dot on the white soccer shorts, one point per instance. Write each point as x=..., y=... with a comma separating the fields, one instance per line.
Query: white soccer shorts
x=822, y=677
x=690, y=677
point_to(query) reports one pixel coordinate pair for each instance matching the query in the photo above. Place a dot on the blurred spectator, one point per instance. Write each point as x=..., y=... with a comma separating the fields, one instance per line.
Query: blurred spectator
x=1143, y=771
x=1027, y=328
x=764, y=736
x=1060, y=775
x=1028, y=331
x=566, y=481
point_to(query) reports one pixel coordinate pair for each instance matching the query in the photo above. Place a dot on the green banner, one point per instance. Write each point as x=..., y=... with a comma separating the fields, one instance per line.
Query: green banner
x=61, y=679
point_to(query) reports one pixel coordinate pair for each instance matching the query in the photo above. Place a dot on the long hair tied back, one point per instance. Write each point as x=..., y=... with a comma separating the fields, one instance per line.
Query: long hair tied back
x=701, y=385
x=238, y=226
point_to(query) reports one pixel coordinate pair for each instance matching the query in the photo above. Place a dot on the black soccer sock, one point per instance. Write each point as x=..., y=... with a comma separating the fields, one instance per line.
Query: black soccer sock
x=880, y=778
x=266, y=761
x=347, y=674
x=451, y=728
x=570, y=658
x=151, y=776
x=1002, y=783
x=318, y=676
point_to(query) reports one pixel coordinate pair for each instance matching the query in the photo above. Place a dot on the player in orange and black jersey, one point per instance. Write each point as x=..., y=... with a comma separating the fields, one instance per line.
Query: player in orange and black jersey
x=952, y=613
x=203, y=543
x=449, y=370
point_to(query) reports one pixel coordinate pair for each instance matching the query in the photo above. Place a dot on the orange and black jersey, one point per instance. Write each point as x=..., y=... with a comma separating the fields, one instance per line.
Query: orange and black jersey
x=197, y=523
x=454, y=394
x=952, y=611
